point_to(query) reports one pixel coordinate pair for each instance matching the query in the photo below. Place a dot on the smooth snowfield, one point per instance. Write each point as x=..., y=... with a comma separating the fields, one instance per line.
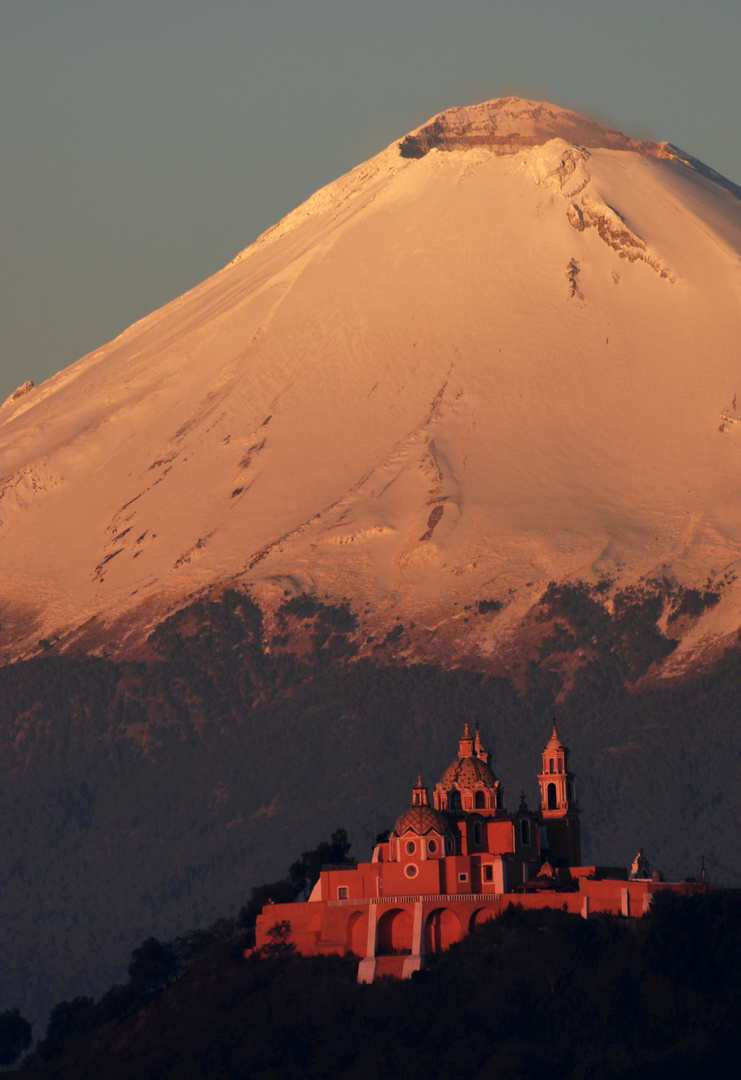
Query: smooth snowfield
x=442, y=379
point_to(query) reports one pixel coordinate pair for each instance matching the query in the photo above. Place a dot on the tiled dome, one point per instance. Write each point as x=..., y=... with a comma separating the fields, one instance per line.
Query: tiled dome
x=466, y=774
x=422, y=820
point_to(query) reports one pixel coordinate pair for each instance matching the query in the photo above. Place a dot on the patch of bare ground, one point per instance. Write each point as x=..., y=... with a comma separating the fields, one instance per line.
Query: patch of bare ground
x=690, y=665
x=19, y=622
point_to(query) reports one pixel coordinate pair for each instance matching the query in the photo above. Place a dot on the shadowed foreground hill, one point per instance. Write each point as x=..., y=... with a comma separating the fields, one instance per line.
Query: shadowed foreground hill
x=147, y=798
x=531, y=990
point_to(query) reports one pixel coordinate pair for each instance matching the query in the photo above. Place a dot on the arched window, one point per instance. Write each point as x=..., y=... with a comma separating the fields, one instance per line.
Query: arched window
x=454, y=800
x=552, y=801
x=553, y=767
x=560, y=765
x=477, y=834
x=479, y=800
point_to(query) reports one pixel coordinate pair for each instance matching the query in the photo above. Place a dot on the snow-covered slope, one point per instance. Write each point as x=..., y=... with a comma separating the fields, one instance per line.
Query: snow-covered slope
x=503, y=351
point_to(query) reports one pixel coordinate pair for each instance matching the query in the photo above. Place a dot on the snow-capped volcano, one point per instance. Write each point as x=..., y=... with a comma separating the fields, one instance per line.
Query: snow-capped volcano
x=503, y=351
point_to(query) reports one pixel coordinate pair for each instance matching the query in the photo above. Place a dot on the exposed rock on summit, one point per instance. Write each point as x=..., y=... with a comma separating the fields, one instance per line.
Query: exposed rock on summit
x=506, y=125
x=500, y=357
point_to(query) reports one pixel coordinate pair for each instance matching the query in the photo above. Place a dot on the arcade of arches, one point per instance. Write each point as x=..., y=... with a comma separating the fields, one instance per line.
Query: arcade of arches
x=455, y=860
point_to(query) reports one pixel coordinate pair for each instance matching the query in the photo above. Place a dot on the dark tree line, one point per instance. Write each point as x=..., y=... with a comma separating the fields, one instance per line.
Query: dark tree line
x=156, y=965
x=15, y=1036
x=91, y=749
x=302, y=876
x=528, y=994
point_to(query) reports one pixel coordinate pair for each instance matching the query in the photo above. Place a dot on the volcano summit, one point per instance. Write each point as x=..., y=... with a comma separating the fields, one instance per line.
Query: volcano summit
x=502, y=352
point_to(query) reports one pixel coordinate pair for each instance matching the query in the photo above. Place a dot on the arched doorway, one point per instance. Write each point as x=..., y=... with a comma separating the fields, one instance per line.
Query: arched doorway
x=481, y=916
x=442, y=929
x=395, y=931
x=357, y=933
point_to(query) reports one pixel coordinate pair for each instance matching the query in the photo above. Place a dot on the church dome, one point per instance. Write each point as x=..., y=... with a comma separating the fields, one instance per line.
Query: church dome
x=471, y=770
x=422, y=820
x=466, y=774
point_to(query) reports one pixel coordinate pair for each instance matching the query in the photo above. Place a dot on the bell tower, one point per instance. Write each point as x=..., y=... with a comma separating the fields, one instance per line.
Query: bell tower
x=558, y=806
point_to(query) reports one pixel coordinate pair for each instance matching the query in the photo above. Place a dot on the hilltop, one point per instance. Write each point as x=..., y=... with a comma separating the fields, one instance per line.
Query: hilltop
x=528, y=991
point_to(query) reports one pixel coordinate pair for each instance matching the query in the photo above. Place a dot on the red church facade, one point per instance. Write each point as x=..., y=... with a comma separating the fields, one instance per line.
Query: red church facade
x=451, y=864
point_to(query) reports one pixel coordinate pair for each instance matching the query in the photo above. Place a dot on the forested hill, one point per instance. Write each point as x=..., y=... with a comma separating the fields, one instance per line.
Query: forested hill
x=147, y=798
x=532, y=993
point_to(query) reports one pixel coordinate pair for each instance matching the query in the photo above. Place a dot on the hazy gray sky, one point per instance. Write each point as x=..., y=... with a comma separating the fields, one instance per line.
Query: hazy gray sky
x=145, y=142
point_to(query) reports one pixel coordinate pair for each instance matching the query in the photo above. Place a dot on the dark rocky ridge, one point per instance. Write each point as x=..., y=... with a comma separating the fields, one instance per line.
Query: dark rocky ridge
x=506, y=125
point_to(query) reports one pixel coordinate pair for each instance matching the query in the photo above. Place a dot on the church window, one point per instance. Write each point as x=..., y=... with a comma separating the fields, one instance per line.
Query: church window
x=342, y=892
x=449, y=846
x=432, y=846
x=411, y=870
x=488, y=872
x=477, y=834
x=553, y=768
x=560, y=765
x=411, y=847
x=479, y=800
x=525, y=832
x=454, y=800
x=552, y=801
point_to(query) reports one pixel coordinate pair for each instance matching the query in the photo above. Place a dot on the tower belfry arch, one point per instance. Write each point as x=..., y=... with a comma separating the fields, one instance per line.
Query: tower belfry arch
x=559, y=808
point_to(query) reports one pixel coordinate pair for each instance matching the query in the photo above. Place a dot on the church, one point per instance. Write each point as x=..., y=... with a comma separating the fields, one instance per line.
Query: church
x=452, y=863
